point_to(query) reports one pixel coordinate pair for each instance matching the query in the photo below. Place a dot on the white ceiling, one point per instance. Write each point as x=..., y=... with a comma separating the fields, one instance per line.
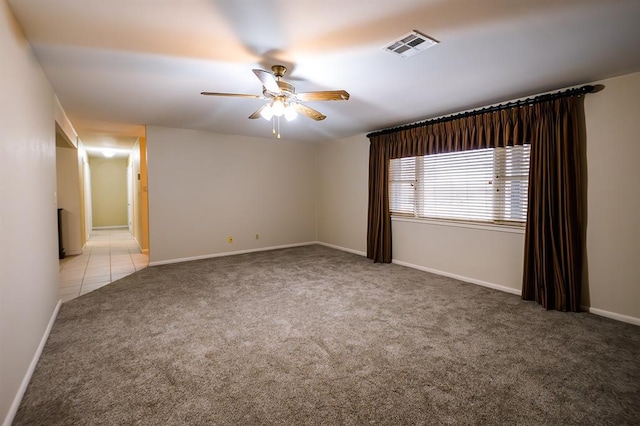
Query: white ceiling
x=118, y=65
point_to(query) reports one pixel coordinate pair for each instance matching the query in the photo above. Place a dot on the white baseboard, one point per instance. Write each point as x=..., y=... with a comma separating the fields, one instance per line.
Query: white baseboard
x=517, y=292
x=433, y=271
x=361, y=253
x=229, y=253
x=144, y=251
x=27, y=377
x=461, y=278
x=73, y=253
x=612, y=315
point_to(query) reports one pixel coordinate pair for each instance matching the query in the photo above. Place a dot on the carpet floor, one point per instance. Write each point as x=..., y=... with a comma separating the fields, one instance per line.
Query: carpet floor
x=312, y=335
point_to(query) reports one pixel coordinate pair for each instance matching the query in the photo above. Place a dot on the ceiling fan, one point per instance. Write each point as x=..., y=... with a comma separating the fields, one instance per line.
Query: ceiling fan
x=283, y=99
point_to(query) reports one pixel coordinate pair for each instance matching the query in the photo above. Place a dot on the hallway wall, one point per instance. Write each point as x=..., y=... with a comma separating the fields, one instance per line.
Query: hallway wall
x=138, y=161
x=28, y=218
x=68, y=187
x=108, y=191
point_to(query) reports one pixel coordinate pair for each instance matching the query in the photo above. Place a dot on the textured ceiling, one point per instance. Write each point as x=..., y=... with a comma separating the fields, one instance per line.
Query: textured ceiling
x=118, y=65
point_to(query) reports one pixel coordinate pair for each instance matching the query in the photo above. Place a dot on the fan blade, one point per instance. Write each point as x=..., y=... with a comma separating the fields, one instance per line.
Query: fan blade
x=268, y=80
x=329, y=95
x=235, y=95
x=309, y=112
x=256, y=114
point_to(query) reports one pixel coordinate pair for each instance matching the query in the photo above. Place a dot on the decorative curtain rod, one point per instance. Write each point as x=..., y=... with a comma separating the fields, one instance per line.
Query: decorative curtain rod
x=522, y=102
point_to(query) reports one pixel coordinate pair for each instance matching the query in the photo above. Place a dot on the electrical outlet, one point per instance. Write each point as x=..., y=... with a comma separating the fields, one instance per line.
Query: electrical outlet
x=229, y=239
x=257, y=236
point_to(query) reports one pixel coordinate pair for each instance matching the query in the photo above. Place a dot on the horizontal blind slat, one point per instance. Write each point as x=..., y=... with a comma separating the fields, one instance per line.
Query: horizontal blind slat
x=485, y=185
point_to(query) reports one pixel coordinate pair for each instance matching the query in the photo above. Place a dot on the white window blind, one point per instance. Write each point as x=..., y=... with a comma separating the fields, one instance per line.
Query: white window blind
x=512, y=183
x=402, y=185
x=457, y=185
x=487, y=185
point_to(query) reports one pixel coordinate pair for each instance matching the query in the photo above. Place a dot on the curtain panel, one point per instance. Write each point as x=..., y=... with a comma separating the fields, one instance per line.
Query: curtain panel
x=552, y=272
x=556, y=219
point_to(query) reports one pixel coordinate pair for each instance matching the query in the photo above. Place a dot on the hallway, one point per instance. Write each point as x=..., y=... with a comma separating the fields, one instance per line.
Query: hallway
x=109, y=255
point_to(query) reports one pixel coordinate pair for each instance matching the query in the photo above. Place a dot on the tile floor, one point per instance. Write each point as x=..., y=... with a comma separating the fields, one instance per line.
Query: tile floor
x=109, y=255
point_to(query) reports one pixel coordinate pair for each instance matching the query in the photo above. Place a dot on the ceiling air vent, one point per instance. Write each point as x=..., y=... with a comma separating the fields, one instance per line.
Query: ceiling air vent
x=410, y=44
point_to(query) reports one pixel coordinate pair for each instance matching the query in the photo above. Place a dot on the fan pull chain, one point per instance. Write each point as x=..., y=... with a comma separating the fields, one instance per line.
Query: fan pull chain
x=278, y=118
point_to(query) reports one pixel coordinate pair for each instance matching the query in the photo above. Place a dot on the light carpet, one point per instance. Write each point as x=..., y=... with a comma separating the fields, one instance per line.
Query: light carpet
x=312, y=335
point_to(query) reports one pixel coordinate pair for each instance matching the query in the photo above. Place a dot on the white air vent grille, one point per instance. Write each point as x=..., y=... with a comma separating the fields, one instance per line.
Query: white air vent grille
x=410, y=44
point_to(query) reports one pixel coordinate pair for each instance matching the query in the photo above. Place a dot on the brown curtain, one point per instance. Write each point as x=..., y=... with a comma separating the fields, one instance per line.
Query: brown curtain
x=489, y=130
x=379, y=221
x=553, y=252
x=555, y=225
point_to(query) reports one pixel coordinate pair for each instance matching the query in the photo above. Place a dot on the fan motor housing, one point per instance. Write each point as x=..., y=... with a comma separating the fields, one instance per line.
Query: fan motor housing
x=286, y=90
x=286, y=87
x=279, y=70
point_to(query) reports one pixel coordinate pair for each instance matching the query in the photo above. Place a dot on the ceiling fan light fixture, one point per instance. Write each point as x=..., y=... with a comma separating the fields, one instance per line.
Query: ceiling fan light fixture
x=283, y=100
x=267, y=112
x=277, y=107
x=290, y=113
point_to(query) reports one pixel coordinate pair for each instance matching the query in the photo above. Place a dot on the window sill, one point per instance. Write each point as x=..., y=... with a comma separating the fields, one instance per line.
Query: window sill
x=457, y=224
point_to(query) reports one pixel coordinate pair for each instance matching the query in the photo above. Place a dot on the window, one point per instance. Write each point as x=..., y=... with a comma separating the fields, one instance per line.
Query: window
x=485, y=185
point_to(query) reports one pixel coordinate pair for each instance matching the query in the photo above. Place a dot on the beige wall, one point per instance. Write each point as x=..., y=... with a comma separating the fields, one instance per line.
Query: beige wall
x=481, y=255
x=342, y=185
x=68, y=187
x=613, y=230
x=64, y=124
x=204, y=187
x=108, y=191
x=134, y=163
x=85, y=192
x=138, y=161
x=492, y=258
x=144, y=198
x=28, y=224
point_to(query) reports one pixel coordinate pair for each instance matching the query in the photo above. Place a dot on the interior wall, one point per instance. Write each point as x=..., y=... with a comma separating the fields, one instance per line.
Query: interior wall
x=134, y=162
x=206, y=187
x=343, y=181
x=144, y=197
x=28, y=218
x=488, y=257
x=484, y=255
x=85, y=192
x=613, y=231
x=63, y=124
x=138, y=161
x=109, y=191
x=68, y=188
